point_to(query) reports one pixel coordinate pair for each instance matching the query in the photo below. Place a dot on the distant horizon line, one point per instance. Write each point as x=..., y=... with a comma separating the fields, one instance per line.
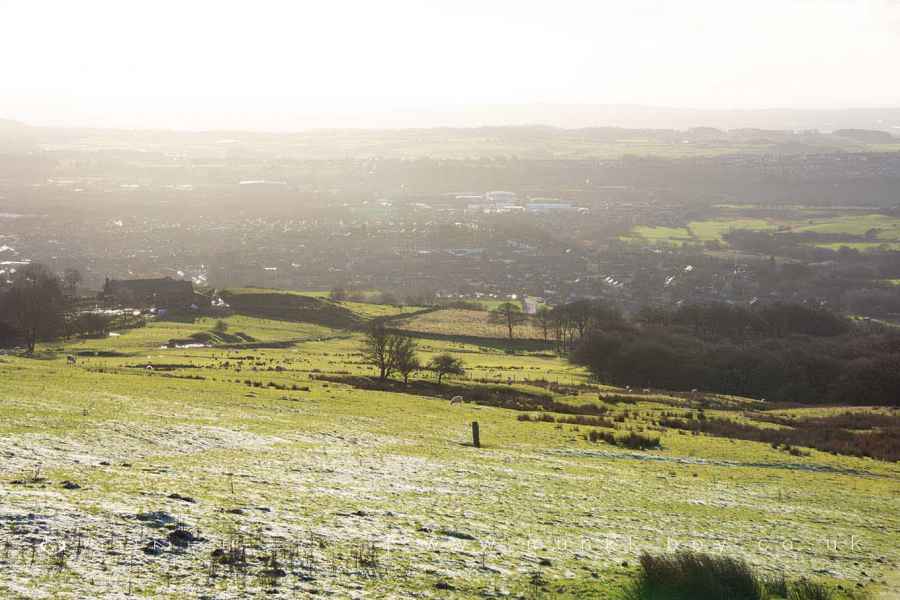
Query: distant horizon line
x=652, y=114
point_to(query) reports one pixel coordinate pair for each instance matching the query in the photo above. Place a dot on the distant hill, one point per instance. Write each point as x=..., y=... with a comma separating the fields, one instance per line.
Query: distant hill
x=570, y=116
x=639, y=117
x=867, y=136
x=525, y=141
x=526, y=131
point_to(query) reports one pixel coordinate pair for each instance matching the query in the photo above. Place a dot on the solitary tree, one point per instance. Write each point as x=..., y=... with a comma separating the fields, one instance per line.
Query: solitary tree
x=544, y=321
x=405, y=359
x=36, y=304
x=508, y=314
x=378, y=349
x=446, y=364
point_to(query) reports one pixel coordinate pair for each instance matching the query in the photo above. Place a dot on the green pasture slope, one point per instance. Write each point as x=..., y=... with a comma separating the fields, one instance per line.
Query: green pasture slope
x=233, y=472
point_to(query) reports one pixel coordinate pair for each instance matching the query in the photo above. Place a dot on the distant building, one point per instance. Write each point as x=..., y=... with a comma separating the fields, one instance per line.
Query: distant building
x=465, y=251
x=164, y=292
x=545, y=207
x=501, y=199
x=529, y=305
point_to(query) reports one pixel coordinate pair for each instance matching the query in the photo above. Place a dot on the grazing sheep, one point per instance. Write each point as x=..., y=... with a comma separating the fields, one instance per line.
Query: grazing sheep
x=149, y=367
x=646, y=390
x=456, y=400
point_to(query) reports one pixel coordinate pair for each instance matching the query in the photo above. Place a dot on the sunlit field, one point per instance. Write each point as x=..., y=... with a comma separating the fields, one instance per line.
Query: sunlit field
x=883, y=230
x=245, y=469
x=460, y=322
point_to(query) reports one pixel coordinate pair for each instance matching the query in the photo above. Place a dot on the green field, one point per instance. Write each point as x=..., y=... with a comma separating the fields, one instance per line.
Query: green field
x=330, y=490
x=885, y=230
x=888, y=228
x=713, y=230
x=476, y=323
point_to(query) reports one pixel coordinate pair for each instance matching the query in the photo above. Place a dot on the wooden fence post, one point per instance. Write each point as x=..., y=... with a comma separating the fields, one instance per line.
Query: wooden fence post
x=476, y=439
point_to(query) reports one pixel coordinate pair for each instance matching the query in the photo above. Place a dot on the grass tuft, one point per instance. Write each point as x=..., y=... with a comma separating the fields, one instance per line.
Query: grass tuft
x=695, y=576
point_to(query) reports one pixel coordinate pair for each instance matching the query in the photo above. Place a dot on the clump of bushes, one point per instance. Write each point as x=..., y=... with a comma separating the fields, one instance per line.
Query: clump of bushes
x=539, y=418
x=463, y=304
x=637, y=441
x=573, y=420
x=602, y=436
x=586, y=421
x=633, y=440
x=698, y=576
x=695, y=576
x=870, y=435
x=617, y=399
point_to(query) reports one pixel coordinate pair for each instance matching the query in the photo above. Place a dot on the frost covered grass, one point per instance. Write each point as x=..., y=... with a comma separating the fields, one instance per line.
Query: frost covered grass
x=232, y=472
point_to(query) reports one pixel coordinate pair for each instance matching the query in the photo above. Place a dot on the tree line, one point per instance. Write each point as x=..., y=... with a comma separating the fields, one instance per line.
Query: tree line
x=390, y=352
x=782, y=352
x=37, y=304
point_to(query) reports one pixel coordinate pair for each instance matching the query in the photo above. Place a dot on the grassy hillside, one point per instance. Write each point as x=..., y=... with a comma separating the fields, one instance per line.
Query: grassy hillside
x=289, y=306
x=244, y=472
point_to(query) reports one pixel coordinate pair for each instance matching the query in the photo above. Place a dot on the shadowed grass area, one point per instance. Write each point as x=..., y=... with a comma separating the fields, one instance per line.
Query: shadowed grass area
x=696, y=576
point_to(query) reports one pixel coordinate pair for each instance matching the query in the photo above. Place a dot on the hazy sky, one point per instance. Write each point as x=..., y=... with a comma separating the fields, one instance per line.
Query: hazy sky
x=262, y=63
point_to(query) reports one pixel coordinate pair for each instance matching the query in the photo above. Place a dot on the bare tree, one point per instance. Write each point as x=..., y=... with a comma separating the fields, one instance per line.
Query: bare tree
x=446, y=364
x=405, y=359
x=36, y=304
x=544, y=321
x=377, y=349
x=508, y=314
x=389, y=352
x=581, y=313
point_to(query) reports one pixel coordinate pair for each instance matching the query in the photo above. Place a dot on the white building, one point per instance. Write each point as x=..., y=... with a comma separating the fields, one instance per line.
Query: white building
x=529, y=305
x=501, y=199
x=545, y=205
